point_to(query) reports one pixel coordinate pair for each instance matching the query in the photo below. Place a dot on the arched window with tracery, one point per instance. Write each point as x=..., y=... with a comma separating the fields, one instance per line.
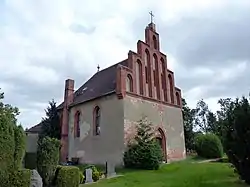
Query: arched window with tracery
x=129, y=83
x=139, y=81
x=171, y=88
x=77, y=124
x=97, y=118
x=178, y=99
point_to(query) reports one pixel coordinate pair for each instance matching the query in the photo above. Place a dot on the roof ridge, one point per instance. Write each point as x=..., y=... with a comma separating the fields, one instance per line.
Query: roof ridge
x=103, y=82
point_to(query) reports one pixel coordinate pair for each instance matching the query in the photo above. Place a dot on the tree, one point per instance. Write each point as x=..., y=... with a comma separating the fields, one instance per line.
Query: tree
x=212, y=123
x=12, y=142
x=235, y=116
x=47, y=159
x=19, y=146
x=51, y=124
x=222, y=124
x=205, y=119
x=188, y=122
x=201, y=115
x=143, y=152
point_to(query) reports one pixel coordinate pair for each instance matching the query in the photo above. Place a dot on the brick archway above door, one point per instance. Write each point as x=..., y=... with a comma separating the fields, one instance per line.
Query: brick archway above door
x=161, y=138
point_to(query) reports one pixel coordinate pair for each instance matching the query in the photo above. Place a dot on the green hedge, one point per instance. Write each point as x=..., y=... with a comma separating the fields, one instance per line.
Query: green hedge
x=7, y=148
x=19, y=146
x=47, y=158
x=208, y=146
x=30, y=160
x=20, y=178
x=68, y=176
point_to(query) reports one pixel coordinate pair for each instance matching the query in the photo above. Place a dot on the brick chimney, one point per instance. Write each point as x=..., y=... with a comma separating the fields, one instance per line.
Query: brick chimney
x=68, y=99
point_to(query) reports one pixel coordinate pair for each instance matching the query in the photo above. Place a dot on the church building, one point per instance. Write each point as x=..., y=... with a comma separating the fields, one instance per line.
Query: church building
x=100, y=117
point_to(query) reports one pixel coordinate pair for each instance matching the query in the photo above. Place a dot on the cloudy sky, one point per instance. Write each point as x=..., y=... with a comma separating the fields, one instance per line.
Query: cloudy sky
x=44, y=42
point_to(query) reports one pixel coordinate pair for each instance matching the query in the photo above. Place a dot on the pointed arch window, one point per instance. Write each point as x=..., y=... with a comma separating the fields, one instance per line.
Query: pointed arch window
x=97, y=117
x=155, y=42
x=170, y=80
x=156, y=77
x=77, y=124
x=139, y=77
x=178, y=99
x=163, y=79
x=148, y=74
x=129, y=84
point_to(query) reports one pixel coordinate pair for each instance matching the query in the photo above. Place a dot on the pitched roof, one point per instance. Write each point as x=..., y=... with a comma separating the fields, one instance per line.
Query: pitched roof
x=101, y=83
x=35, y=129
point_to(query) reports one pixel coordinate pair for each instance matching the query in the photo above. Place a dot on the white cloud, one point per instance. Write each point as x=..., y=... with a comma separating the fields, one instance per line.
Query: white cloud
x=38, y=46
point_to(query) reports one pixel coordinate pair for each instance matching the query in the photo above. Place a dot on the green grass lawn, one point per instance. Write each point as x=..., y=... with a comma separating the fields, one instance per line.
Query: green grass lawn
x=177, y=174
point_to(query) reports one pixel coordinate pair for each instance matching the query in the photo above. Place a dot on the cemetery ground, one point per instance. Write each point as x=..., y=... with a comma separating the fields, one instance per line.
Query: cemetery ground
x=188, y=173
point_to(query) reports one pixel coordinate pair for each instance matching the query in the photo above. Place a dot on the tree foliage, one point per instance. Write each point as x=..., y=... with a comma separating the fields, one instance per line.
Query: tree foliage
x=188, y=122
x=19, y=146
x=143, y=152
x=51, y=123
x=236, y=134
x=47, y=158
x=12, y=142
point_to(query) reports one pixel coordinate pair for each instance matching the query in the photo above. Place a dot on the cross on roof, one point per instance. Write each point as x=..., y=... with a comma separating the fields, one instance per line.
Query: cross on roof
x=151, y=16
x=98, y=68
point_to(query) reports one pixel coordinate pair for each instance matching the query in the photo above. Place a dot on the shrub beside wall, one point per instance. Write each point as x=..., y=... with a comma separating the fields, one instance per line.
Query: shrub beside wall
x=68, y=176
x=208, y=146
x=143, y=152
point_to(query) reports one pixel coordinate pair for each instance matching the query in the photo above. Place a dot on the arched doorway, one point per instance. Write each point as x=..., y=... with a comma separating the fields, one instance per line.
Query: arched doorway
x=161, y=139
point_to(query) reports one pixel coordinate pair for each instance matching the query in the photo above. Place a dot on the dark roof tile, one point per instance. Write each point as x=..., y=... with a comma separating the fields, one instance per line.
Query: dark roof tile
x=101, y=83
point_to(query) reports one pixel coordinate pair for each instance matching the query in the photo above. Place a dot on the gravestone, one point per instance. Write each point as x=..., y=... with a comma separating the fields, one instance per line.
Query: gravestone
x=110, y=169
x=35, y=180
x=88, y=176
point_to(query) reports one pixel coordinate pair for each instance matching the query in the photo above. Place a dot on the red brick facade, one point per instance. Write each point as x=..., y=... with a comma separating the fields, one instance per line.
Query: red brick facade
x=153, y=73
x=148, y=68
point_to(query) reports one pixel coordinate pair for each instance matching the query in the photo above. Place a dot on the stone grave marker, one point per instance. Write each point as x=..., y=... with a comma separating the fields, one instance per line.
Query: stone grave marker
x=88, y=176
x=35, y=180
x=110, y=169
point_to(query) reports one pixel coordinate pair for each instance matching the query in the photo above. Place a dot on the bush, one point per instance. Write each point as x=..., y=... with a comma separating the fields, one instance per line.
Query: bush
x=208, y=146
x=20, y=178
x=30, y=161
x=95, y=172
x=81, y=177
x=7, y=148
x=144, y=152
x=47, y=158
x=68, y=176
x=19, y=146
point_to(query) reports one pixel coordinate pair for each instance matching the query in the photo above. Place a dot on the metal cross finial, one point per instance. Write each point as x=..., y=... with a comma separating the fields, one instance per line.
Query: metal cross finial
x=98, y=68
x=151, y=16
